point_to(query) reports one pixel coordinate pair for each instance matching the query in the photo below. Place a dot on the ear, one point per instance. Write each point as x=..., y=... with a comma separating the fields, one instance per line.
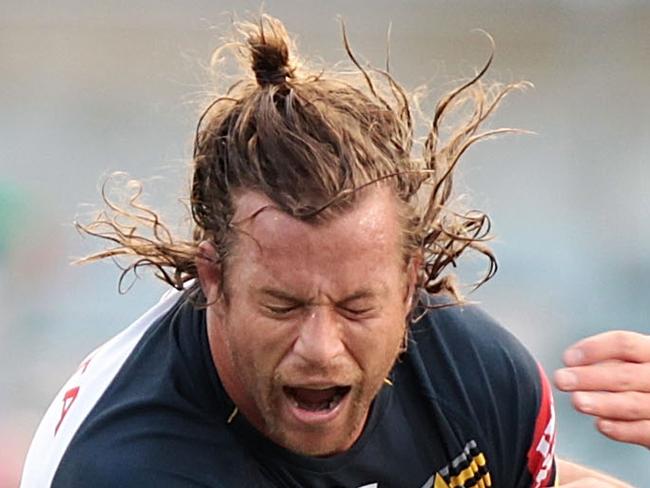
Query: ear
x=412, y=272
x=209, y=271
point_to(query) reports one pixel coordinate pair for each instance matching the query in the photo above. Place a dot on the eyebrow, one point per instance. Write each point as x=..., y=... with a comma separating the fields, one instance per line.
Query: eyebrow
x=275, y=293
x=359, y=295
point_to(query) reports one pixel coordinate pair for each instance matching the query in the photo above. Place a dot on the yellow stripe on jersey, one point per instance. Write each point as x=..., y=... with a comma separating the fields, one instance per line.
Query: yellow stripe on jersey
x=439, y=482
x=469, y=472
x=480, y=459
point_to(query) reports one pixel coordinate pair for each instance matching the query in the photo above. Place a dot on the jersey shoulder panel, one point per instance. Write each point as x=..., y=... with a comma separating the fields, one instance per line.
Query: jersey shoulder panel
x=489, y=385
x=163, y=420
x=80, y=393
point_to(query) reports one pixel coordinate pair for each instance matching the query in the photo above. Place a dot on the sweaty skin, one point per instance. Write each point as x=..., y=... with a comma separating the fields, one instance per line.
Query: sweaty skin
x=308, y=307
x=608, y=376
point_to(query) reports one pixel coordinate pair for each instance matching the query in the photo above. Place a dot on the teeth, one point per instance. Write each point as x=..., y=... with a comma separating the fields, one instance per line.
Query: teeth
x=315, y=407
x=326, y=405
x=334, y=401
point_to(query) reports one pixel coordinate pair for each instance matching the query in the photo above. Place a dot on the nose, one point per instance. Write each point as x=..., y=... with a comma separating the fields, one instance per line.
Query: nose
x=319, y=340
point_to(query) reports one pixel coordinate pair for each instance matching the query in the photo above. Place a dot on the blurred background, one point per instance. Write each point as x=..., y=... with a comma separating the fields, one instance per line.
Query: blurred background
x=88, y=88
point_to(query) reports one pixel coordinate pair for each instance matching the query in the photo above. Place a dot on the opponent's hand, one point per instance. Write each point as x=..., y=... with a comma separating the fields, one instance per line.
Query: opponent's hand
x=592, y=483
x=609, y=377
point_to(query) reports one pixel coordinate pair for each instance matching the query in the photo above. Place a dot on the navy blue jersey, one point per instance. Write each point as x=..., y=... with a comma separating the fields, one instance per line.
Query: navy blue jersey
x=466, y=406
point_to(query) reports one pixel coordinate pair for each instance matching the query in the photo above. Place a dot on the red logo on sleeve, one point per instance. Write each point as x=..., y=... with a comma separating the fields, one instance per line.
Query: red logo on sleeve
x=68, y=399
x=71, y=395
x=542, y=449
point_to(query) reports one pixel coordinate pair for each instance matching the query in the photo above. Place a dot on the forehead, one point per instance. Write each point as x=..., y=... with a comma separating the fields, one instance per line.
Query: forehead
x=366, y=235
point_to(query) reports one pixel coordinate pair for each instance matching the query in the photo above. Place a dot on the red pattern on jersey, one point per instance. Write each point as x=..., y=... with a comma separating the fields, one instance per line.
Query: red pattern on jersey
x=71, y=395
x=542, y=449
x=68, y=399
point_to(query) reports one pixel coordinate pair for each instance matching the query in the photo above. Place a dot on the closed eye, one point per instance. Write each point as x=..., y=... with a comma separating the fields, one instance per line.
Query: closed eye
x=281, y=310
x=357, y=312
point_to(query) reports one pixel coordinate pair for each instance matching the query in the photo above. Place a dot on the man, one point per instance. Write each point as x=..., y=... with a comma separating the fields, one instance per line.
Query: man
x=314, y=339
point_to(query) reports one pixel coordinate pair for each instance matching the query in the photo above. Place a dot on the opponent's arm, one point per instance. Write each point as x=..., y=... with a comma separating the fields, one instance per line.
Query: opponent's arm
x=608, y=376
x=573, y=475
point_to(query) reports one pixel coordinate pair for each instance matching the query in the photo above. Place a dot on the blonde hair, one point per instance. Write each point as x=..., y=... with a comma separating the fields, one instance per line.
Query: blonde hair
x=310, y=141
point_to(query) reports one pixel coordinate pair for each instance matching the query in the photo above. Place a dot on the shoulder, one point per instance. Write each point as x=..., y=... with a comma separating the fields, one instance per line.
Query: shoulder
x=484, y=378
x=469, y=357
x=80, y=394
x=466, y=338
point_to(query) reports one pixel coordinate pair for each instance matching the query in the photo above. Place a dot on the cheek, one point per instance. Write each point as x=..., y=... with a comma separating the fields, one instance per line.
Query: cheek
x=257, y=345
x=376, y=346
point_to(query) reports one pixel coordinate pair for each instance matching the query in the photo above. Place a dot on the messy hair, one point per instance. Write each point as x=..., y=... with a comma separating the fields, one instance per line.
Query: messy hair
x=310, y=142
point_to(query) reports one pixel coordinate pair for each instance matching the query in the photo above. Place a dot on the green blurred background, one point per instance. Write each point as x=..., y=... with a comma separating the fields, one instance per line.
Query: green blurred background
x=87, y=88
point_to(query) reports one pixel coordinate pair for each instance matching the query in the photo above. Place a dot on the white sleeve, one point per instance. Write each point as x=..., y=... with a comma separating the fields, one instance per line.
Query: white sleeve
x=80, y=394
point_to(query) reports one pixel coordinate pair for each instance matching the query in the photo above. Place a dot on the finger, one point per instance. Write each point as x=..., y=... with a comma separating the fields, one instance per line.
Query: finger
x=605, y=377
x=618, y=344
x=634, y=432
x=590, y=483
x=629, y=405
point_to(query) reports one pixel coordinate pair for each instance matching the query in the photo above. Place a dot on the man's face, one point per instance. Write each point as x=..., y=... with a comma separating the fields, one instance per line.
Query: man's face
x=314, y=320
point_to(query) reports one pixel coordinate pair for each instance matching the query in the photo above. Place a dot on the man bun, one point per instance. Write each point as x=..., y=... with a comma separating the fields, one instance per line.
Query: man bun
x=269, y=52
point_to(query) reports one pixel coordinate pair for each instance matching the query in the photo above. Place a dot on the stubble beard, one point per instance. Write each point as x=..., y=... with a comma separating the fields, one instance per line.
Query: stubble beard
x=268, y=396
x=360, y=404
x=314, y=440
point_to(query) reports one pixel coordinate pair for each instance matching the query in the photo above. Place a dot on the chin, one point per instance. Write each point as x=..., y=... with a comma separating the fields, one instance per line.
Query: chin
x=313, y=444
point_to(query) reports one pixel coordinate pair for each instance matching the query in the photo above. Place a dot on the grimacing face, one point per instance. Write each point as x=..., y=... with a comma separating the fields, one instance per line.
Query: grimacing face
x=314, y=319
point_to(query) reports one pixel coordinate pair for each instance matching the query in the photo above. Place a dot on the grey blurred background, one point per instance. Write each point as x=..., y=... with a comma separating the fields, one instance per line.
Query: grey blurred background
x=87, y=88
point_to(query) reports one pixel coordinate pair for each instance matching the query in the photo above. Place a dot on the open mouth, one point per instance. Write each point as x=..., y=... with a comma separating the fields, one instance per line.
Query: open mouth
x=315, y=399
